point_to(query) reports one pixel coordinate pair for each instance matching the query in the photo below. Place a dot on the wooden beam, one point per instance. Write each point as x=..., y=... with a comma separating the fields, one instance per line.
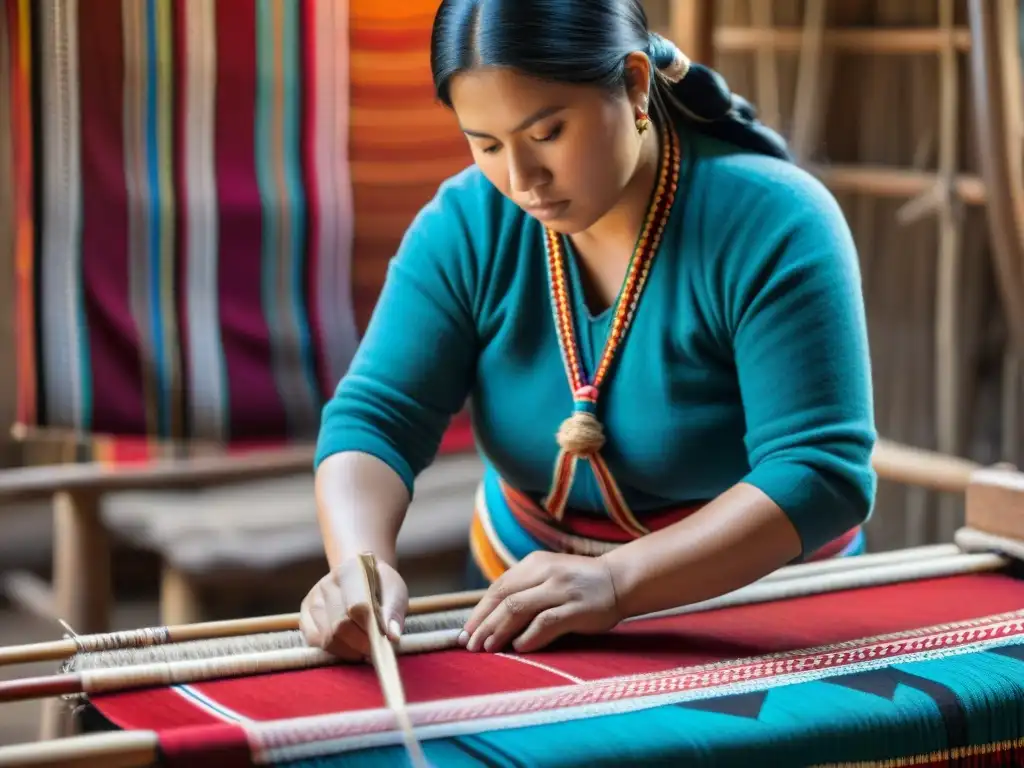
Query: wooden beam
x=883, y=181
x=42, y=482
x=868, y=41
x=922, y=468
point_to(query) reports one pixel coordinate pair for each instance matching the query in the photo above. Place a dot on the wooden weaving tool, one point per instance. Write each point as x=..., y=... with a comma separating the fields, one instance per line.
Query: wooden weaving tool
x=385, y=662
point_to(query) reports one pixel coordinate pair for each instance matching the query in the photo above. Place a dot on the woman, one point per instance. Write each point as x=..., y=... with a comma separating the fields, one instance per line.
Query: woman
x=657, y=319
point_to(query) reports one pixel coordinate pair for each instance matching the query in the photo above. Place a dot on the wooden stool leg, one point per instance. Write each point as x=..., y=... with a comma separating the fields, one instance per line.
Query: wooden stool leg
x=56, y=720
x=180, y=598
x=81, y=568
x=81, y=584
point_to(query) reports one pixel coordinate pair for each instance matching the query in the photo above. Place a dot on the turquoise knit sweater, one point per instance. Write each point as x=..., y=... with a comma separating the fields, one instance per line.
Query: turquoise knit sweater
x=747, y=360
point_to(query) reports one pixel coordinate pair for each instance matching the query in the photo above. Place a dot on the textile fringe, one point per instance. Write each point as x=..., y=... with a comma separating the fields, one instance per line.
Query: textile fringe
x=1000, y=753
x=163, y=673
x=196, y=650
x=417, y=629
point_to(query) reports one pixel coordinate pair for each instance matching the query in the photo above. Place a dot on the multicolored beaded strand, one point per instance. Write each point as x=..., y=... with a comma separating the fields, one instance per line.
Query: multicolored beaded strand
x=581, y=436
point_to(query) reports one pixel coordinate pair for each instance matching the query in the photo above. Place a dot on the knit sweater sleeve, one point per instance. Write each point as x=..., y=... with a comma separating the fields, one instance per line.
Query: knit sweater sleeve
x=794, y=307
x=415, y=364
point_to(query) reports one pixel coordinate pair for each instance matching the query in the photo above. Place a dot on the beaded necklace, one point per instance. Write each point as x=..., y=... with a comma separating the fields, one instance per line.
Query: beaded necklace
x=581, y=436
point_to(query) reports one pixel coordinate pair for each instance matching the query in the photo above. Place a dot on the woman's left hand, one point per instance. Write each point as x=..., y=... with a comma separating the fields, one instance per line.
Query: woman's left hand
x=541, y=598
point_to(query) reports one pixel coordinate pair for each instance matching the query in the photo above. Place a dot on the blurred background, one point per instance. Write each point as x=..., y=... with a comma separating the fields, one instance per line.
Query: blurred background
x=197, y=206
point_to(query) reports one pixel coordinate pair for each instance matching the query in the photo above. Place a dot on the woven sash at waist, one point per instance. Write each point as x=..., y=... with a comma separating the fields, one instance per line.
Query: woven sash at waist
x=508, y=525
x=579, y=533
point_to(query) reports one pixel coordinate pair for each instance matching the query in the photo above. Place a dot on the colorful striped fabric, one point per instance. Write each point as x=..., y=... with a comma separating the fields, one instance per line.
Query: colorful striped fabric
x=402, y=143
x=924, y=673
x=220, y=185
x=17, y=229
x=507, y=525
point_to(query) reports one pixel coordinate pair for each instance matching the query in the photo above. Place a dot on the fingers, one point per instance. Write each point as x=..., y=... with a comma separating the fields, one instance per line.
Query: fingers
x=538, y=600
x=515, y=612
x=320, y=631
x=394, y=602
x=312, y=623
x=336, y=613
x=349, y=641
x=546, y=627
x=355, y=599
x=518, y=579
x=394, y=599
x=345, y=637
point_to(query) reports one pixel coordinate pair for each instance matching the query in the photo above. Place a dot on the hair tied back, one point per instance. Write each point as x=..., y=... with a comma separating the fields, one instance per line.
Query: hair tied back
x=587, y=42
x=671, y=62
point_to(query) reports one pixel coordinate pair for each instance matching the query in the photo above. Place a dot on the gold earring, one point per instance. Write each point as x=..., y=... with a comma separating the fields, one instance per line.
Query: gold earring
x=643, y=122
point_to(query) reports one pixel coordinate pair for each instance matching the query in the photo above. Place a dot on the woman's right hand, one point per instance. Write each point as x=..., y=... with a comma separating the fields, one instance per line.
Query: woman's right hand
x=336, y=612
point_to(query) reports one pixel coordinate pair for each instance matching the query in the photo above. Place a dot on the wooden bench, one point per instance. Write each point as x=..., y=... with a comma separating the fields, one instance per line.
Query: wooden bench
x=226, y=521
x=219, y=543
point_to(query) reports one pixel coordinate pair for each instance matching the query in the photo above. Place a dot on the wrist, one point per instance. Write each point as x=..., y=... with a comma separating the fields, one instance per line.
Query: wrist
x=623, y=580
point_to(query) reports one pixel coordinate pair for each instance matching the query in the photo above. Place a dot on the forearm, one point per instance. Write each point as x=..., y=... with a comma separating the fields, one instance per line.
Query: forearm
x=734, y=540
x=361, y=504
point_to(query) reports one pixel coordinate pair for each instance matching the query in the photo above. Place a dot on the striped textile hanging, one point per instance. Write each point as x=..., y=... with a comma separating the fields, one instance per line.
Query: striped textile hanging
x=220, y=185
x=17, y=229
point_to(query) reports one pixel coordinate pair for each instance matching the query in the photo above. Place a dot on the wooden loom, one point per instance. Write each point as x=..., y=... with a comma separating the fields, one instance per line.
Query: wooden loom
x=901, y=464
x=81, y=592
x=188, y=654
x=81, y=581
x=77, y=491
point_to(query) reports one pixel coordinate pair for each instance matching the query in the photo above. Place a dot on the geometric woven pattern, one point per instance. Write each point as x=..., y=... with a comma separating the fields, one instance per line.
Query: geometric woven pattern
x=794, y=682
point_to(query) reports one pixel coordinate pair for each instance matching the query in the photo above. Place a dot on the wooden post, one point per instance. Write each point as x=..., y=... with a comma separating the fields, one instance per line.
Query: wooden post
x=81, y=583
x=768, y=89
x=691, y=27
x=950, y=360
x=81, y=568
x=180, y=598
x=992, y=110
x=812, y=70
x=1012, y=406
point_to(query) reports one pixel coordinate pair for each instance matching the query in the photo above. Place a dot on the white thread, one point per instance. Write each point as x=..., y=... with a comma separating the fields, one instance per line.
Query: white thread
x=539, y=665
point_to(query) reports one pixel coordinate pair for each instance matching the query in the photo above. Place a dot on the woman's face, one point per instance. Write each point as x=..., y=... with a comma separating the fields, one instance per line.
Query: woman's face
x=563, y=153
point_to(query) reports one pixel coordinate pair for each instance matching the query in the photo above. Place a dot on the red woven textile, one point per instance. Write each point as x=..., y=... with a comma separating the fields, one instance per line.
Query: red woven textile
x=198, y=717
x=223, y=746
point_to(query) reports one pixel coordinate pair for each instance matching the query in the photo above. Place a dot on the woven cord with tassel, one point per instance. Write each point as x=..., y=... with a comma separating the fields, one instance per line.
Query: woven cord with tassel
x=581, y=436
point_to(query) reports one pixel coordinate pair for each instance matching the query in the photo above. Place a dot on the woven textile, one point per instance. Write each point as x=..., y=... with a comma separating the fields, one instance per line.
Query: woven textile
x=928, y=672
x=220, y=186
x=17, y=229
x=508, y=525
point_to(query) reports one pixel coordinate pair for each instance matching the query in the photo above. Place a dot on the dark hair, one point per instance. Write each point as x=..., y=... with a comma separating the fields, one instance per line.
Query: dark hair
x=586, y=42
